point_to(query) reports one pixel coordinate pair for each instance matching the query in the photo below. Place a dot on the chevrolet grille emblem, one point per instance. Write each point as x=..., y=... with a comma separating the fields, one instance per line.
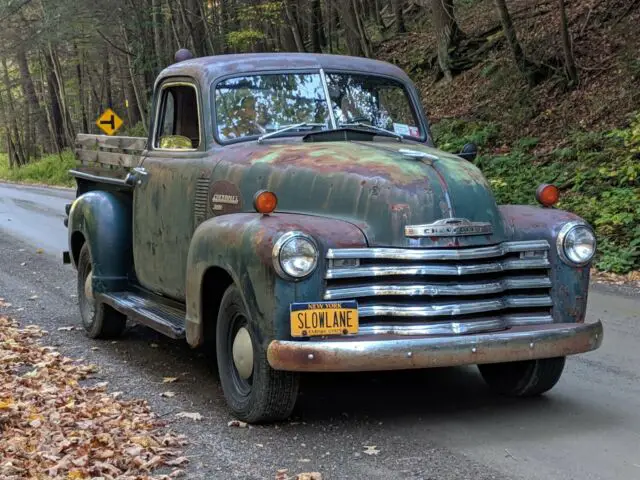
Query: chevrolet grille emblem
x=448, y=227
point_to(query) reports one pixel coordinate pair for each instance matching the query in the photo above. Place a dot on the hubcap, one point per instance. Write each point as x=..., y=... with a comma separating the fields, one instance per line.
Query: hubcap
x=243, y=353
x=88, y=290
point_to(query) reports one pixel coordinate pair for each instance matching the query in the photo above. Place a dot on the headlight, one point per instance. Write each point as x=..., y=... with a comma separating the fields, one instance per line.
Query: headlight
x=576, y=243
x=295, y=255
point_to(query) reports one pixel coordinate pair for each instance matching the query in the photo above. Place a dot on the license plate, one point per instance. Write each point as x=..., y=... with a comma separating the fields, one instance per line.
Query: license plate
x=323, y=318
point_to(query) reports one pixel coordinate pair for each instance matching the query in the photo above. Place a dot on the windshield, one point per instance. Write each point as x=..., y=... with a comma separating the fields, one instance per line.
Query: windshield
x=255, y=105
x=259, y=104
x=377, y=101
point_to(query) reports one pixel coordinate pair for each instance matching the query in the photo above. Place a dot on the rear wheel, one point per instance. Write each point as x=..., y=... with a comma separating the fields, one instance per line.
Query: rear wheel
x=255, y=392
x=526, y=378
x=99, y=320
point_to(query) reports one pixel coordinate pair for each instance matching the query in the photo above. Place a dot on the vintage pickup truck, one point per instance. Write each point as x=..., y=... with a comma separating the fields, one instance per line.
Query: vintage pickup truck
x=290, y=213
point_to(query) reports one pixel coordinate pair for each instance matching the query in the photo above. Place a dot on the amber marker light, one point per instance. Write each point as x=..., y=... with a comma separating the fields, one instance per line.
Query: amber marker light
x=548, y=195
x=265, y=202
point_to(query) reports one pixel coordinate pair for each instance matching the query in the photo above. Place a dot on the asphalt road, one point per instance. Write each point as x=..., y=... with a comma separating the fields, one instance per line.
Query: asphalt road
x=433, y=424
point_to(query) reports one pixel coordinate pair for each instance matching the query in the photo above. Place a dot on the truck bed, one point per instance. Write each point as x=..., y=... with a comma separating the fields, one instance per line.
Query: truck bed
x=104, y=162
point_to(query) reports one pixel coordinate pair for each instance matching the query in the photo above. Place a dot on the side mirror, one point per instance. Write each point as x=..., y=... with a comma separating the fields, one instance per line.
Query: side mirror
x=469, y=152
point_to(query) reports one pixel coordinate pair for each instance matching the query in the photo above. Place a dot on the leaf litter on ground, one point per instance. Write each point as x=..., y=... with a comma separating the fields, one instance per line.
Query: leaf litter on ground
x=52, y=427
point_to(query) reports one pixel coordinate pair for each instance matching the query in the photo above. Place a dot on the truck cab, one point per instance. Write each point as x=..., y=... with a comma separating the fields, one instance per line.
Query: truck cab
x=290, y=213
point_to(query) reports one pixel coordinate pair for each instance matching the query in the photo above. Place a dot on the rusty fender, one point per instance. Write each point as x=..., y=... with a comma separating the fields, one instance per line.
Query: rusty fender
x=569, y=284
x=241, y=244
x=103, y=221
x=518, y=343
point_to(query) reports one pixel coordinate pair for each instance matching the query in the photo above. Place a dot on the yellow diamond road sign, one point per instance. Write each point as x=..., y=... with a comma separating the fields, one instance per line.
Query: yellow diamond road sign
x=109, y=122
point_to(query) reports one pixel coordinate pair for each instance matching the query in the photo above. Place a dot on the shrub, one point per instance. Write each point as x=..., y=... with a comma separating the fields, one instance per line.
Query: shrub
x=598, y=174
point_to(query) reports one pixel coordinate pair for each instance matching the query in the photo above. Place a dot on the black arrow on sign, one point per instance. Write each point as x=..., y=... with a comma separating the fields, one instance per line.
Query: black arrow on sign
x=111, y=122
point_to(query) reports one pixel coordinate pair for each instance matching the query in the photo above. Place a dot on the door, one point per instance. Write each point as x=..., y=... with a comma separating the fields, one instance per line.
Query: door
x=163, y=213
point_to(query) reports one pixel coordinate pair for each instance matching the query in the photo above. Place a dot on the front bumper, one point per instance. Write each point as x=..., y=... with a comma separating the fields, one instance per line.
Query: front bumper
x=397, y=352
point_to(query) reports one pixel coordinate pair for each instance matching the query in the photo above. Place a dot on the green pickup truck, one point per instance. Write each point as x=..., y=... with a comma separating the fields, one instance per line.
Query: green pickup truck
x=290, y=213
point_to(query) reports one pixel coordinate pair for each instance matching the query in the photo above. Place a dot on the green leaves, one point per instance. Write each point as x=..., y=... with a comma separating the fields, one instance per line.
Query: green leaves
x=599, y=174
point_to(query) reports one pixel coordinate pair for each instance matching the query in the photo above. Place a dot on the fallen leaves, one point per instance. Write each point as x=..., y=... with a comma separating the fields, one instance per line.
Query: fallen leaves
x=371, y=450
x=190, y=415
x=4, y=304
x=283, y=474
x=237, y=423
x=631, y=278
x=53, y=427
x=169, y=379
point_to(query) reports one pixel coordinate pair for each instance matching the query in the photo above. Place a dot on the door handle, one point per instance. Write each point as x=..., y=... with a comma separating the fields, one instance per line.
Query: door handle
x=136, y=176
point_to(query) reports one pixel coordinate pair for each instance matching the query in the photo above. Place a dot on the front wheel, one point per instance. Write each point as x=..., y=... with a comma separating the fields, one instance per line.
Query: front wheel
x=99, y=320
x=254, y=391
x=526, y=378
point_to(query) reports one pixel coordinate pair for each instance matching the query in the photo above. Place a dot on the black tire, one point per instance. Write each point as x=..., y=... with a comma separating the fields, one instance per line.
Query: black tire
x=99, y=320
x=268, y=395
x=526, y=378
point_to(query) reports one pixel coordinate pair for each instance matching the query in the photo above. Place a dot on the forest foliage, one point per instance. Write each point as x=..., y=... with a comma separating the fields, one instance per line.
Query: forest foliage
x=545, y=86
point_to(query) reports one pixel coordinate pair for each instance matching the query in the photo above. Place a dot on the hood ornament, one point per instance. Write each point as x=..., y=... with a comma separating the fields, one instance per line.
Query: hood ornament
x=417, y=154
x=448, y=227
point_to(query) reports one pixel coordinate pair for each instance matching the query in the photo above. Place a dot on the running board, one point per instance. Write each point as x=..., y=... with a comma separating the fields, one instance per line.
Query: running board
x=168, y=320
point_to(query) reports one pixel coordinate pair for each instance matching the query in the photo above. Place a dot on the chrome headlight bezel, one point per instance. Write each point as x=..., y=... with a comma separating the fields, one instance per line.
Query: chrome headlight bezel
x=561, y=242
x=282, y=243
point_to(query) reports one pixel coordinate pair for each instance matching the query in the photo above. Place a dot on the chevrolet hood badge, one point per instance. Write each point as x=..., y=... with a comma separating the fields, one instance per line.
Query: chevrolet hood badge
x=448, y=227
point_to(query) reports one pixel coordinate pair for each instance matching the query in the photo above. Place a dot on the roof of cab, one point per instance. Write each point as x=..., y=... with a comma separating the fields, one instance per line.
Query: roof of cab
x=207, y=69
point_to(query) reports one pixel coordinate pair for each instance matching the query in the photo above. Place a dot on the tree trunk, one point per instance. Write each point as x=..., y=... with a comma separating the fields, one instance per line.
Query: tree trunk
x=194, y=23
x=295, y=26
x=39, y=116
x=80, y=77
x=287, y=41
x=351, y=31
x=364, y=40
x=378, y=16
x=62, y=96
x=318, y=38
x=106, y=77
x=136, y=100
x=397, y=13
x=448, y=33
x=569, y=59
x=56, y=112
x=526, y=68
x=15, y=143
x=156, y=8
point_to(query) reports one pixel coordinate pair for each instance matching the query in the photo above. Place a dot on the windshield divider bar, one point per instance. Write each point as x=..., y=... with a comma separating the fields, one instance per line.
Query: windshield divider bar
x=325, y=86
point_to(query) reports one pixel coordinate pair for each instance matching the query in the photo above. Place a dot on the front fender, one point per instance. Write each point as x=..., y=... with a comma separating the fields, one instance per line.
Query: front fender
x=242, y=245
x=570, y=284
x=104, y=220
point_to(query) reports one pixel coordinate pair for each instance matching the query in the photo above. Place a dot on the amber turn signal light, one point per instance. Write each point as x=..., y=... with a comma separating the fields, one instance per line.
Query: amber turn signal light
x=265, y=202
x=548, y=195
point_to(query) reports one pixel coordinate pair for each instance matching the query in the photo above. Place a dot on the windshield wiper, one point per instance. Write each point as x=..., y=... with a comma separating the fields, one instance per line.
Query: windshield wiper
x=374, y=127
x=287, y=128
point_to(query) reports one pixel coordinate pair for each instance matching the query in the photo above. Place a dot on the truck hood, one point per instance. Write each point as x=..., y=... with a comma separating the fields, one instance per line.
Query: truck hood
x=380, y=186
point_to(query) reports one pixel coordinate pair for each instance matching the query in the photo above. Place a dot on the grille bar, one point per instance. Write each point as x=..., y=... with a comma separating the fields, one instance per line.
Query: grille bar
x=453, y=291
x=454, y=327
x=436, y=254
x=458, y=308
x=434, y=289
x=437, y=269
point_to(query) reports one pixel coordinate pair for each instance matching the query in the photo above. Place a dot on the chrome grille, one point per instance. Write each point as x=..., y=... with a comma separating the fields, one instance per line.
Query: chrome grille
x=443, y=291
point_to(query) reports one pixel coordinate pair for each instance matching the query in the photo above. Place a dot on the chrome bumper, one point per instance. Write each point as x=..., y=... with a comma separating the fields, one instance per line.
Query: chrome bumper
x=397, y=352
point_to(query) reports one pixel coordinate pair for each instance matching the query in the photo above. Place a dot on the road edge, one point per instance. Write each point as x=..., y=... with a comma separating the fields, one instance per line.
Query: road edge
x=37, y=185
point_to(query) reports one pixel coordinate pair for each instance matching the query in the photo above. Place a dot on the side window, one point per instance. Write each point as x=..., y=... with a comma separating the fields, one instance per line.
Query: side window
x=178, y=121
